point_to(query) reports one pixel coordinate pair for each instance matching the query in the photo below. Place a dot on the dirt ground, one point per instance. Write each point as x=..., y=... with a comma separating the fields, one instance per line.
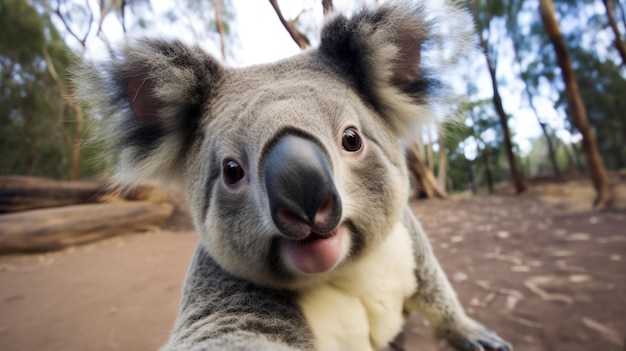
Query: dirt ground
x=545, y=276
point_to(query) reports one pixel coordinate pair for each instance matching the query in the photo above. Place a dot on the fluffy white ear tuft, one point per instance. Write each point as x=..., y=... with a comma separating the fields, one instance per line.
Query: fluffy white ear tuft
x=396, y=55
x=151, y=95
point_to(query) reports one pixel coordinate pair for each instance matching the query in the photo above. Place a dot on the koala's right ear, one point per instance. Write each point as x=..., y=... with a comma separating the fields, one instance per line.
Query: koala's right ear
x=395, y=56
x=152, y=95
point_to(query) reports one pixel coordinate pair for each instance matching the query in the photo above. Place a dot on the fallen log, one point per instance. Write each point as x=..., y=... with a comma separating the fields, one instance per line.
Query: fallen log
x=57, y=228
x=20, y=193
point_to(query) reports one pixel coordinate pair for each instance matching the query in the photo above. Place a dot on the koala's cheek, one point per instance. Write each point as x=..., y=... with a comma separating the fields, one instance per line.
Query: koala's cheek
x=227, y=233
x=373, y=197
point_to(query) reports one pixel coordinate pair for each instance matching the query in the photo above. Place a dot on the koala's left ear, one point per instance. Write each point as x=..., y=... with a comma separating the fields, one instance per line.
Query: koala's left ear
x=382, y=53
x=152, y=95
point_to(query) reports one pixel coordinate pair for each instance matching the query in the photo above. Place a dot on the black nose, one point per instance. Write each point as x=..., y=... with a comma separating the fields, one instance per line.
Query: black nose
x=302, y=195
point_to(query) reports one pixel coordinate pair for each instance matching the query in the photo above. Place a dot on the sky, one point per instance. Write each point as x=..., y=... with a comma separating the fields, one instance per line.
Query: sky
x=261, y=38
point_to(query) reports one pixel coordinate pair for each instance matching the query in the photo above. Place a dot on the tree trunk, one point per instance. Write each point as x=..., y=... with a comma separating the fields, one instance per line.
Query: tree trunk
x=423, y=176
x=551, y=153
x=488, y=175
x=577, y=109
x=442, y=173
x=619, y=43
x=497, y=103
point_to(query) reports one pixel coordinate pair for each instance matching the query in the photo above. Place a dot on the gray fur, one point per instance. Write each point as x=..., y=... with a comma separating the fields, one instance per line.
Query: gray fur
x=174, y=113
x=221, y=311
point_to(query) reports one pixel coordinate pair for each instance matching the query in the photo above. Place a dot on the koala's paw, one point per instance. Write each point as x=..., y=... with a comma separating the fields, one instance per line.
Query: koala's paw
x=472, y=336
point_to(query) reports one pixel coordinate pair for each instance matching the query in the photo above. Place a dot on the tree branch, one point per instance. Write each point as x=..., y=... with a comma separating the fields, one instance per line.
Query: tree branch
x=57, y=11
x=104, y=11
x=619, y=42
x=296, y=35
x=328, y=7
x=217, y=4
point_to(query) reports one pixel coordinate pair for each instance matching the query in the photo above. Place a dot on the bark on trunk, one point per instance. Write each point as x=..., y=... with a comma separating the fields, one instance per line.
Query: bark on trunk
x=577, y=109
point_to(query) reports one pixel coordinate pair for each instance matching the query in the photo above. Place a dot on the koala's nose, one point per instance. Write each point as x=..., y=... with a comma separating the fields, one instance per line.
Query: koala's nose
x=302, y=195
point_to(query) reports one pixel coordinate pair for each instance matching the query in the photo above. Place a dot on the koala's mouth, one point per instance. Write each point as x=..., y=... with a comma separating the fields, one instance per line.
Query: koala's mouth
x=316, y=253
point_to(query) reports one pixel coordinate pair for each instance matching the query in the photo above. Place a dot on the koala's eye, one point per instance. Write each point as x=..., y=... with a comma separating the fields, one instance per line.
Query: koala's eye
x=232, y=172
x=351, y=140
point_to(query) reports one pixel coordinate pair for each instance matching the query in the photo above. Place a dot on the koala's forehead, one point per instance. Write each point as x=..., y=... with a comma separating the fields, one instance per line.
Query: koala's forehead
x=294, y=93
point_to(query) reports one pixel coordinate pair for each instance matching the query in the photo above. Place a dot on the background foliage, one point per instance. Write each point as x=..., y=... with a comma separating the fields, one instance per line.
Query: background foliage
x=39, y=127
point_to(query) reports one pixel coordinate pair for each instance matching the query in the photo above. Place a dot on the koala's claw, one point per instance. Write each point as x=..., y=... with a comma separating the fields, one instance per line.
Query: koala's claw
x=490, y=343
x=482, y=339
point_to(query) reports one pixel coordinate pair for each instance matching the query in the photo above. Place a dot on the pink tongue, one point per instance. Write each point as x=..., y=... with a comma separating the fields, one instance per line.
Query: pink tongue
x=315, y=256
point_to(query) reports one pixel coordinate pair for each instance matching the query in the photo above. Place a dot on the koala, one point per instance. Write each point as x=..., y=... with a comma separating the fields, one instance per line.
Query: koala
x=296, y=182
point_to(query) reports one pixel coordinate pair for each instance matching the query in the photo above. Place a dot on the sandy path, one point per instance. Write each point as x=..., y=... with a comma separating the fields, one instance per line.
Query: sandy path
x=121, y=294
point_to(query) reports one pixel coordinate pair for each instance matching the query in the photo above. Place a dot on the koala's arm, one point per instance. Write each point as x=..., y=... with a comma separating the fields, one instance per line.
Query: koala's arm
x=222, y=312
x=436, y=300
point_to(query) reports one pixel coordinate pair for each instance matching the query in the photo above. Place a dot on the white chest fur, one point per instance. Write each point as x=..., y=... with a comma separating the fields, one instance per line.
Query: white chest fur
x=361, y=309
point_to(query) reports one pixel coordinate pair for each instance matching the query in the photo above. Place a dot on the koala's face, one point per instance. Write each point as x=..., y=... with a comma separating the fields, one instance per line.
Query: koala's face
x=292, y=169
x=295, y=176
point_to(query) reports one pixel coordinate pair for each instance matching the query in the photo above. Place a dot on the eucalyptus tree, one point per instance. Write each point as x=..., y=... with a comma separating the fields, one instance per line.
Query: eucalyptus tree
x=36, y=133
x=619, y=40
x=484, y=12
x=577, y=107
x=82, y=23
x=602, y=86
